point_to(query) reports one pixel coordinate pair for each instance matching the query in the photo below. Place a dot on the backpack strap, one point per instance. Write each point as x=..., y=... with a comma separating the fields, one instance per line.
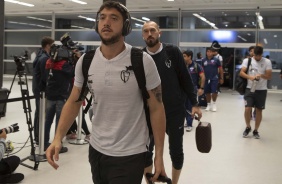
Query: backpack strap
x=86, y=62
x=138, y=69
x=249, y=63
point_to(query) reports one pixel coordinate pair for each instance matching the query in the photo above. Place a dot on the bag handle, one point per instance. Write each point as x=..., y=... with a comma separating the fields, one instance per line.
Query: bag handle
x=195, y=116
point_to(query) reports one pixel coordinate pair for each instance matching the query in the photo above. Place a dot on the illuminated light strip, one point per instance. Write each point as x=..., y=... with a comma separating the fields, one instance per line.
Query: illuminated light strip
x=138, y=19
x=87, y=18
x=23, y=23
x=20, y=3
x=35, y=18
x=205, y=20
x=79, y=2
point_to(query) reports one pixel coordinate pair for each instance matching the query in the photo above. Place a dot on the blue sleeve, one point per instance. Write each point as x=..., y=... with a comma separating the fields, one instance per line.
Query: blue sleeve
x=185, y=78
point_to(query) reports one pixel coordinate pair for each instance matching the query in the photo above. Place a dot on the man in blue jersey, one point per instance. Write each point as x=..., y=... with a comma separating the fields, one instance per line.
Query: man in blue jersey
x=214, y=75
x=198, y=77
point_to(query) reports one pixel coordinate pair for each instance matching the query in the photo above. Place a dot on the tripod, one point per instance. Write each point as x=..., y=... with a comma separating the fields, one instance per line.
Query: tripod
x=27, y=109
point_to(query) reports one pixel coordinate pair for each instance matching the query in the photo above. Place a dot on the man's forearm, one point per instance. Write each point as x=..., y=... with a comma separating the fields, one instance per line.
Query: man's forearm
x=158, y=123
x=68, y=114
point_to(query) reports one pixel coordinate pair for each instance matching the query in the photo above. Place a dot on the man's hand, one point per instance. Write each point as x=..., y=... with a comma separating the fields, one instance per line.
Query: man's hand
x=159, y=168
x=196, y=110
x=221, y=81
x=53, y=153
x=200, y=92
x=3, y=134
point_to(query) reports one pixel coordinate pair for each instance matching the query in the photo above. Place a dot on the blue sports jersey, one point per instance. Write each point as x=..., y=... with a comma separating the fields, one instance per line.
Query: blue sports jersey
x=195, y=70
x=211, y=68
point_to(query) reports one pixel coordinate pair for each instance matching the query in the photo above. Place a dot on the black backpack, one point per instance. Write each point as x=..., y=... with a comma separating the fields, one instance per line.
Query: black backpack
x=138, y=69
x=240, y=82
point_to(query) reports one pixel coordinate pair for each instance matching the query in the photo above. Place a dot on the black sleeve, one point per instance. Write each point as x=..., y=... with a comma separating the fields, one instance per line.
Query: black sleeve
x=43, y=73
x=185, y=79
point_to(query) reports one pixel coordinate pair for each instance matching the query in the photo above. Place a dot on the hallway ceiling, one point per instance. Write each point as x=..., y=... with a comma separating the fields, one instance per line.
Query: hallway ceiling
x=140, y=5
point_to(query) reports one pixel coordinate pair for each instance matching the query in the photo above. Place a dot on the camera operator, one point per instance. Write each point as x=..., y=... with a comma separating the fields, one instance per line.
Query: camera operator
x=39, y=80
x=9, y=164
x=59, y=73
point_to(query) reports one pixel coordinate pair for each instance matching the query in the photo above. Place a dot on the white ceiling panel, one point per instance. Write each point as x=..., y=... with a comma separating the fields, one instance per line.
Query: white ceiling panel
x=135, y=5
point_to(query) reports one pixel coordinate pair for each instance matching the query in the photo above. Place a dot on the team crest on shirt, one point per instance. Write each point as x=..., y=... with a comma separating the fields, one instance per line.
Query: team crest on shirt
x=168, y=63
x=212, y=61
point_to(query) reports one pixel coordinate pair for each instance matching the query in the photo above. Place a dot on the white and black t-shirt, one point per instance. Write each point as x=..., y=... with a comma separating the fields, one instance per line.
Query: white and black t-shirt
x=119, y=127
x=258, y=67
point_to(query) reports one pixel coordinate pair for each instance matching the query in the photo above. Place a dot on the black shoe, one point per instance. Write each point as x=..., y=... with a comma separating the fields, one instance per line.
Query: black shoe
x=11, y=178
x=64, y=149
x=247, y=131
x=256, y=134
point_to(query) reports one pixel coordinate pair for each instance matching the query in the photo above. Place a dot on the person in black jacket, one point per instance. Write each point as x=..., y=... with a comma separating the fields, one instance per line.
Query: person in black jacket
x=176, y=85
x=59, y=76
x=38, y=80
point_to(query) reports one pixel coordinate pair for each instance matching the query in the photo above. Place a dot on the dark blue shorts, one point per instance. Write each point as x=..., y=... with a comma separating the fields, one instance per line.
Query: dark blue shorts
x=211, y=86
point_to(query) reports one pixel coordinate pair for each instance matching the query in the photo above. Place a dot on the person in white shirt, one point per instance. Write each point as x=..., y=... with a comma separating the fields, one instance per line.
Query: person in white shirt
x=260, y=70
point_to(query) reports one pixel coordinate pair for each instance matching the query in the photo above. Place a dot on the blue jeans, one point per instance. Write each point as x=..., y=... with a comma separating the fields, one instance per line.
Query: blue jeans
x=53, y=108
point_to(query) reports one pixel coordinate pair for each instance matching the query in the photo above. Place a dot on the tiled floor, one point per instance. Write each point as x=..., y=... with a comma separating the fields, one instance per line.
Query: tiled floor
x=232, y=160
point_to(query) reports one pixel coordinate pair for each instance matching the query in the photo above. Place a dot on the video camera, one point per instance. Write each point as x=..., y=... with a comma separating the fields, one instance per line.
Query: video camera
x=64, y=51
x=20, y=61
x=10, y=129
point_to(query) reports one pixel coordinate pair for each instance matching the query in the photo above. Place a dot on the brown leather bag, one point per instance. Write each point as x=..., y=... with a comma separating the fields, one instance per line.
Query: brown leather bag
x=204, y=137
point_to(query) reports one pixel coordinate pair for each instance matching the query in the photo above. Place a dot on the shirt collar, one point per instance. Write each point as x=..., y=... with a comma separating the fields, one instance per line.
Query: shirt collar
x=154, y=53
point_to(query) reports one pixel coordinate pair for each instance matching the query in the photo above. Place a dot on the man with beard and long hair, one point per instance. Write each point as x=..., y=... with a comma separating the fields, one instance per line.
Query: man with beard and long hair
x=176, y=83
x=120, y=134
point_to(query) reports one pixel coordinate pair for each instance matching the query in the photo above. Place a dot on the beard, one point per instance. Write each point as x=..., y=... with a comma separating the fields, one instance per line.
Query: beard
x=152, y=42
x=109, y=41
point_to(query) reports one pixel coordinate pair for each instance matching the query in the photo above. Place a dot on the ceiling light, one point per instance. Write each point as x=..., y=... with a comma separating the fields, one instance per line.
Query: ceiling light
x=138, y=19
x=87, y=18
x=244, y=39
x=35, y=18
x=205, y=20
x=245, y=25
x=145, y=18
x=138, y=25
x=226, y=25
x=79, y=2
x=170, y=0
x=249, y=34
x=275, y=36
x=259, y=19
x=23, y=23
x=265, y=41
x=20, y=3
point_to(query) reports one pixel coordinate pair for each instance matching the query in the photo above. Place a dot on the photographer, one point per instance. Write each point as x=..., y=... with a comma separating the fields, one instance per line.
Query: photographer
x=9, y=164
x=59, y=72
x=38, y=80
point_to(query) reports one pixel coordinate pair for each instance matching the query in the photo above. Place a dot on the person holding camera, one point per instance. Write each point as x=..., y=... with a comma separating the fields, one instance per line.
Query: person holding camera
x=38, y=80
x=8, y=165
x=59, y=73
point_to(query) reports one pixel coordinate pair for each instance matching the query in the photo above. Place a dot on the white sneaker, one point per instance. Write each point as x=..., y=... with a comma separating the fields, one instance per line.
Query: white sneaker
x=208, y=107
x=214, y=108
x=188, y=129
